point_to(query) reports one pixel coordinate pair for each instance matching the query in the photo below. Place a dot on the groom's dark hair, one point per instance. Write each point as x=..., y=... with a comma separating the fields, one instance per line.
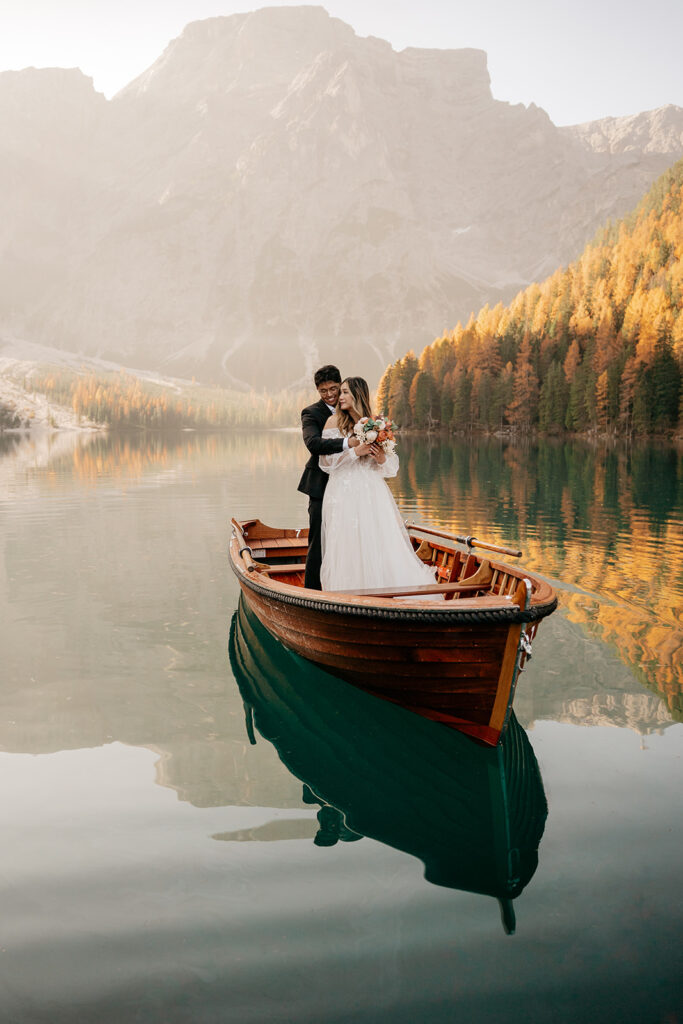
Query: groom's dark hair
x=327, y=373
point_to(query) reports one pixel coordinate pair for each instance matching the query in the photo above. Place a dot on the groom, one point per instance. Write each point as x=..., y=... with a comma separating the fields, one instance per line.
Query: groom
x=313, y=418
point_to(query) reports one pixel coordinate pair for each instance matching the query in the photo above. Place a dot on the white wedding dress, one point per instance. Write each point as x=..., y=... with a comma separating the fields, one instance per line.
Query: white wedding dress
x=364, y=541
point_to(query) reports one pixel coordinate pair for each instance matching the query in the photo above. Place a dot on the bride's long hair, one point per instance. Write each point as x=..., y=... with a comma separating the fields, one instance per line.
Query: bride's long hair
x=360, y=392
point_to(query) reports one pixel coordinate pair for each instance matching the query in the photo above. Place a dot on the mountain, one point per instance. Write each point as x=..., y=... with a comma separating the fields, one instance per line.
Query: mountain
x=276, y=192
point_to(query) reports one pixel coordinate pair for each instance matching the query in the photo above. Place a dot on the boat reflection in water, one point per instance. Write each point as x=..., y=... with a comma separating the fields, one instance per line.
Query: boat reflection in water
x=473, y=814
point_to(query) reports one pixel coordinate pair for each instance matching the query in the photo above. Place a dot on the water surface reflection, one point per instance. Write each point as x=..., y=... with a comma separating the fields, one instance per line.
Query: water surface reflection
x=120, y=904
x=115, y=587
x=474, y=816
x=605, y=523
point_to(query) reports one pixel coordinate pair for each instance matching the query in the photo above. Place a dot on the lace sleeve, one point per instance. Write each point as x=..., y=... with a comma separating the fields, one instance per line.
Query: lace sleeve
x=389, y=467
x=330, y=463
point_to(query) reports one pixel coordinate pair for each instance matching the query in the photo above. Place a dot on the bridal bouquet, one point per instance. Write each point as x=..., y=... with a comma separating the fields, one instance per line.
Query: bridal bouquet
x=380, y=430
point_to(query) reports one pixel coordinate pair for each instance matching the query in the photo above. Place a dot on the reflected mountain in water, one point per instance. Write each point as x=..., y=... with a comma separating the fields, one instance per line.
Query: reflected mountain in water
x=473, y=815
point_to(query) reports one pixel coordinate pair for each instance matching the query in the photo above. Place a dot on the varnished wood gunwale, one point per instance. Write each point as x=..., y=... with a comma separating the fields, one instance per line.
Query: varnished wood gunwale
x=427, y=656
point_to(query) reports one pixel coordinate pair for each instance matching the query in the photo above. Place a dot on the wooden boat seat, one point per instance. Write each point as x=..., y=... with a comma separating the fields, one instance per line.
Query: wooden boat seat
x=426, y=589
x=278, y=547
x=479, y=582
x=292, y=567
x=275, y=543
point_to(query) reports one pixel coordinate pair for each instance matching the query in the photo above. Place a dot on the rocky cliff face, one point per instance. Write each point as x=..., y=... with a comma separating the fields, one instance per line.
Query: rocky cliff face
x=653, y=132
x=275, y=192
x=47, y=119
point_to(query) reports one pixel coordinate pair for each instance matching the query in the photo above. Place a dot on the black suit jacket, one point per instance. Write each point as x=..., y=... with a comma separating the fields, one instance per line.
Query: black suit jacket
x=313, y=419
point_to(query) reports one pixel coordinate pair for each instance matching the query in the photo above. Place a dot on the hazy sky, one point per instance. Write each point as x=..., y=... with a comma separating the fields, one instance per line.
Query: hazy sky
x=578, y=59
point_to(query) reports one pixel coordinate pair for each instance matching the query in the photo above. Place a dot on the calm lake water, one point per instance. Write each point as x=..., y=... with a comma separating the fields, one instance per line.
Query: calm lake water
x=156, y=866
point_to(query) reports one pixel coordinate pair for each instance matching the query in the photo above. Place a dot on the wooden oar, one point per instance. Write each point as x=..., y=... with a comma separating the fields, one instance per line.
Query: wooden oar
x=244, y=551
x=471, y=542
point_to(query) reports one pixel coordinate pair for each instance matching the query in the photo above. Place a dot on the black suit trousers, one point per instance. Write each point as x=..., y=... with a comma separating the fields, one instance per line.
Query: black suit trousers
x=314, y=557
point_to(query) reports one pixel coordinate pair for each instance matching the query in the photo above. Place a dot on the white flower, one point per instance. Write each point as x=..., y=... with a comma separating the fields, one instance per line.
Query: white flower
x=371, y=435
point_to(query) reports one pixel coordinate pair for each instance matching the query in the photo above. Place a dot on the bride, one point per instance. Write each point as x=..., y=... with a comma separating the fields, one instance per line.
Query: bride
x=364, y=541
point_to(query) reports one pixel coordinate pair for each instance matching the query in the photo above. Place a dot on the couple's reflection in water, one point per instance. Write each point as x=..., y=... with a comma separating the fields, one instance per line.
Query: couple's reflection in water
x=474, y=815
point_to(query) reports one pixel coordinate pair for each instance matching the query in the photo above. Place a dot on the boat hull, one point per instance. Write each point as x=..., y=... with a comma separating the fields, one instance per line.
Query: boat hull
x=454, y=662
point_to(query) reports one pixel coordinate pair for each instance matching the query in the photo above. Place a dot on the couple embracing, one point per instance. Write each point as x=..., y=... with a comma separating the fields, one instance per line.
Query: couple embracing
x=357, y=539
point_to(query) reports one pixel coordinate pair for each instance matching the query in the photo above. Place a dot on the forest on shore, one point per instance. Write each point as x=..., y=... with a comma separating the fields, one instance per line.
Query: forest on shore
x=596, y=348
x=123, y=401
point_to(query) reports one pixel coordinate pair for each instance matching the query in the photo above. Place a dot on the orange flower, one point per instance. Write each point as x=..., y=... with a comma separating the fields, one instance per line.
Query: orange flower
x=383, y=435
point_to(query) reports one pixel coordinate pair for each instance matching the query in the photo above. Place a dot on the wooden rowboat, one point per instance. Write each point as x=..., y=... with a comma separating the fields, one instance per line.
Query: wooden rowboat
x=455, y=661
x=474, y=815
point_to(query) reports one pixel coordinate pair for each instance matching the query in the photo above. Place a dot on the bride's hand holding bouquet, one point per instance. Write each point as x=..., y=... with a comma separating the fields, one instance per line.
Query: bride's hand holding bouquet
x=377, y=435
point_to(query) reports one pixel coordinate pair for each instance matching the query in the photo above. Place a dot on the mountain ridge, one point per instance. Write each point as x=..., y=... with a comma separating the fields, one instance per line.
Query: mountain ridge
x=275, y=192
